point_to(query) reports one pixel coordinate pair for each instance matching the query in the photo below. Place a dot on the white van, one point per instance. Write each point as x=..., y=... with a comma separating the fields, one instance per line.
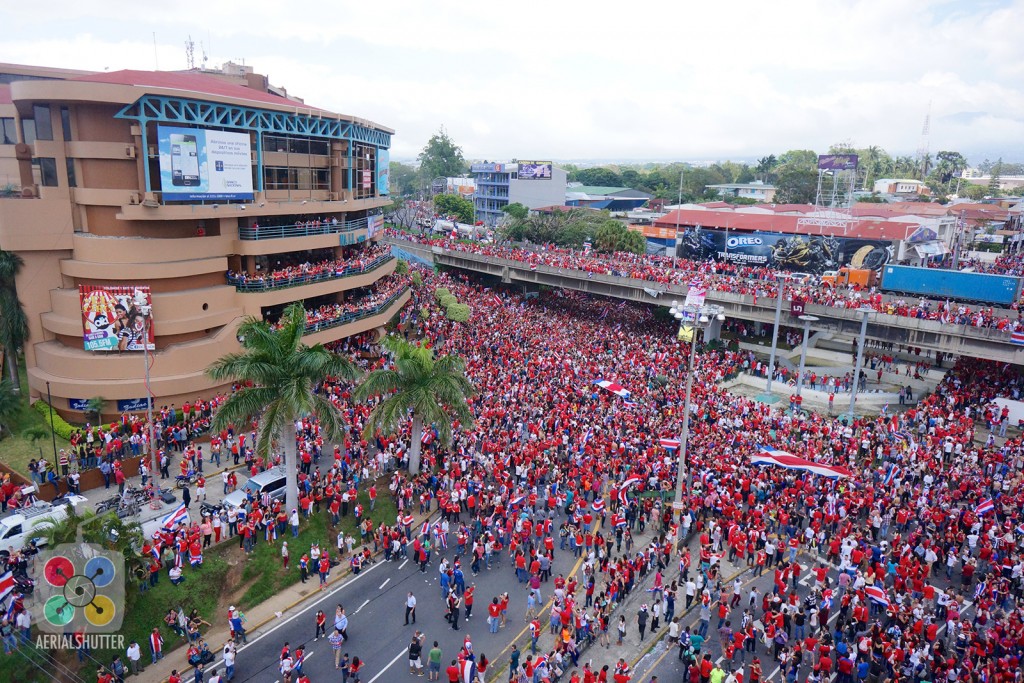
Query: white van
x=18, y=527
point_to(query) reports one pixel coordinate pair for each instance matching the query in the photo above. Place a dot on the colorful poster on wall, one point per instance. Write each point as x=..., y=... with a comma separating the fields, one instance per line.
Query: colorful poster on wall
x=535, y=170
x=367, y=179
x=204, y=165
x=383, y=171
x=373, y=225
x=116, y=318
x=805, y=253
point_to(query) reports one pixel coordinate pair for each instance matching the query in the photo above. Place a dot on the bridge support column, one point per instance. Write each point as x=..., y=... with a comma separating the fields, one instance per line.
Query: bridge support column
x=506, y=278
x=713, y=330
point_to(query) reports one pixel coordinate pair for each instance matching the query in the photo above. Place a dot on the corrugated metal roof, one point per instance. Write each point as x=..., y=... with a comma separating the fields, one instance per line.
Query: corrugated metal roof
x=751, y=222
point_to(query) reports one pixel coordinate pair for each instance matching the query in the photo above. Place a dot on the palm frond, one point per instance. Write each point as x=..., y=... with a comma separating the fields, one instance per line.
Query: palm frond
x=332, y=423
x=273, y=424
x=242, y=406
x=378, y=383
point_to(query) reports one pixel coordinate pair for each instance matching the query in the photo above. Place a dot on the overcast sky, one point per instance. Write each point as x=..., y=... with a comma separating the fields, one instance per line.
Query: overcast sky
x=596, y=80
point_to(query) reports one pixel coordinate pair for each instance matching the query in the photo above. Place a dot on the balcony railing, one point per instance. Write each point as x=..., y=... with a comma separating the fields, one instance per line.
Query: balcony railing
x=272, y=284
x=356, y=315
x=269, y=232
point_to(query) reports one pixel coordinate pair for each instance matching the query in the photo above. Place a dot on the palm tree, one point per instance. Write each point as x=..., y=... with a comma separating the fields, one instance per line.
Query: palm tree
x=434, y=391
x=281, y=373
x=13, y=322
x=10, y=406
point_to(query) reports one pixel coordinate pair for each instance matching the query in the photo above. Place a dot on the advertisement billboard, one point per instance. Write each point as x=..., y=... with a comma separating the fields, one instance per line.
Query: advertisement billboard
x=837, y=162
x=374, y=225
x=367, y=179
x=535, y=170
x=116, y=318
x=805, y=253
x=132, y=405
x=383, y=171
x=204, y=165
x=487, y=167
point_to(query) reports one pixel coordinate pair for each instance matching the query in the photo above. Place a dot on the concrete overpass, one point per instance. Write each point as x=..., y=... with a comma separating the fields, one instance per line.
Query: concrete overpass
x=962, y=340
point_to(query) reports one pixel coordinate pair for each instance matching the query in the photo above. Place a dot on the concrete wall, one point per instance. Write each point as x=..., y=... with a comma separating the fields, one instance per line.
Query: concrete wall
x=537, y=193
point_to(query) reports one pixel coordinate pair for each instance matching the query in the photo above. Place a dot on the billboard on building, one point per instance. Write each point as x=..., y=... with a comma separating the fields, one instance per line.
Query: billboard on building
x=487, y=167
x=837, y=162
x=116, y=318
x=197, y=164
x=383, y=171
x=804, y=253
x=535, y=170
x=367, y=179
x=374, y=225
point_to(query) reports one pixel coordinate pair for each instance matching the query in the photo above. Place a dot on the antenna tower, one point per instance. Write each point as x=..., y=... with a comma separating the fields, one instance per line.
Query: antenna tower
x=833, y=199
x=190, y=53
x=924, y=148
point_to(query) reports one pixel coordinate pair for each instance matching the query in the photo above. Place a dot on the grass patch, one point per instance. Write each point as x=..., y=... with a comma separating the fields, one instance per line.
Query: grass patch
x=264, y=563
x=16, y=450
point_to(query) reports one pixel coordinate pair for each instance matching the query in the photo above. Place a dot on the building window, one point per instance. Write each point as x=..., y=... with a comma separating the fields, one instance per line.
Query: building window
x=72, y=181
x=65, y=123
x=44, y=123
x=45, y=171
x=28, y=131
x=8, y=131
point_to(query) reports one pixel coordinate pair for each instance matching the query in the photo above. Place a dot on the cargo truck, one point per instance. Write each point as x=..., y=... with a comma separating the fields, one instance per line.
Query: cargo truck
x=859, y=277
x=937, y=283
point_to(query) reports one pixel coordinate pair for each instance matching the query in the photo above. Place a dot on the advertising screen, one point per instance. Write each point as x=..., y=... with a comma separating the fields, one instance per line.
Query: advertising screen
x=198, y=164
x=837, y=162
x=806, y=253
x=535, y=170
x=383, y=171
x=116, y=318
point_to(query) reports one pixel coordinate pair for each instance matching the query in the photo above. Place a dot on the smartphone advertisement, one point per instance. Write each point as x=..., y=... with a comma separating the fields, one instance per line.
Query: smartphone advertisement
x=204, y=165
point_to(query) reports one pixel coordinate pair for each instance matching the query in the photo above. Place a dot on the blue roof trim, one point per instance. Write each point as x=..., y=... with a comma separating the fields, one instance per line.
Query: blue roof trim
x=181, y=110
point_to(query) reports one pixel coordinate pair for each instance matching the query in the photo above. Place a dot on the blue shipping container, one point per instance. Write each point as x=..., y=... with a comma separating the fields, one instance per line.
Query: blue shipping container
x=936, y=283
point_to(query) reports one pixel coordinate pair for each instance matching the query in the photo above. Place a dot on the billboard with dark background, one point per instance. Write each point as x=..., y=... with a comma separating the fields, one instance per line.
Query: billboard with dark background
x=805, y=253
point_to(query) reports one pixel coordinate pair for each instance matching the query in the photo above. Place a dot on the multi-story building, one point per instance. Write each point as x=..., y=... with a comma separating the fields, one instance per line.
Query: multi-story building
x=498, y=185
x=171, y=205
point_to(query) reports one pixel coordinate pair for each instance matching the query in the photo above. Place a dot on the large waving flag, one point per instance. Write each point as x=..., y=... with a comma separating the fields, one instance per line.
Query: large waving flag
x=178, y=516
x=598, y=505
x=877, y=594
x=6, y=585
x=984, y=507
x=613, y=387
x=670, y=444
x=771, y=456
x=890, y=475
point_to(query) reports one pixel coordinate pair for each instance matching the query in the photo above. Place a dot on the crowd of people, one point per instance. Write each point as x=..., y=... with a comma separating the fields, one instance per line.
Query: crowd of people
x=306, y=272
x=329, y=315
x=754, y=281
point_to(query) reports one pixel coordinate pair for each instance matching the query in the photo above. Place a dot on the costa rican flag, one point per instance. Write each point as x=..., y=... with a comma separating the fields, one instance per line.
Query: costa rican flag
x=1017, y=338
x=670, y=444
x=533, y=266
x=408, y=520
x=497, y=299
x=586, y=247
x=890, y=475
x=613, y=387
x=618, y=521
x=1020, y=528
x=772, y=456
x=425, y=529
x=598, y=505
x=177, y=517
x=587, y=437
x=6, y=585
x=516, y=501
x=985, y=506
x=877, y=594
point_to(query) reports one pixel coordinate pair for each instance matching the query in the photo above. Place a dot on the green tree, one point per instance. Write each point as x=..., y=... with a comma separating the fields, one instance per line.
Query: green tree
x=280, y=373
x=949, y=165
x=434, y=391
x=94, y=407
x=765, y=169
x=10, y=405
x=598, y=177
x=123, y=536
x=797, y=177
x=612, y=235
x=972, y=191
x=454, y=205
x=993, y=180
x=516, y=211
x=403, y=179
x=13, y=321
x=440, y=158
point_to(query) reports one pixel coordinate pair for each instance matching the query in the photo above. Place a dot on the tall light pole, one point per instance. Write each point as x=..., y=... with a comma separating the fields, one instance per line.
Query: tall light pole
x=768, y=397
x=53, y=432
x=808, y=319
x=700, y=318
x=864, y=312
x=151, y=448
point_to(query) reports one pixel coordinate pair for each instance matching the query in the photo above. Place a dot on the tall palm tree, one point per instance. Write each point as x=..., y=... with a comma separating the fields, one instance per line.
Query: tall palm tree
x=10, y=405
x=433, y=390
x=282, y=373
x=13, y=322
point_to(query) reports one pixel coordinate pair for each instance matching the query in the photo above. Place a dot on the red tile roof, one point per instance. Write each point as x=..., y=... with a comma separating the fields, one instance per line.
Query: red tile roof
x=752, y=222
x=194, y=82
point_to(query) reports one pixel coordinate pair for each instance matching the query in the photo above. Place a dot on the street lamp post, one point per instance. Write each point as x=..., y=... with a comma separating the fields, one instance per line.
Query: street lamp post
x=53, y=432
x=701, y=318
x=864, y=312
x=808, y=319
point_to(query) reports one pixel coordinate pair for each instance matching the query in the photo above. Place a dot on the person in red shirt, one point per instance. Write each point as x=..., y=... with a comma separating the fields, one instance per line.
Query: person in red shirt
x=453, y=672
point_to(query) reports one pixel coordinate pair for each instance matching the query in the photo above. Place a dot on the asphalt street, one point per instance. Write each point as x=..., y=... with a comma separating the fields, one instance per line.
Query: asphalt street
x=375, y=604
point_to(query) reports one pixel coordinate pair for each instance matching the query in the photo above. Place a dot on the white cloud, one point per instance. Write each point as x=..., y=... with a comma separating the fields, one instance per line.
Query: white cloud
x=576, y=79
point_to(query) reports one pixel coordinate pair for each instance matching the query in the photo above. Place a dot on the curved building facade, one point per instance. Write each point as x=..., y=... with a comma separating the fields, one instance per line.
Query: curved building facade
x=176, y=204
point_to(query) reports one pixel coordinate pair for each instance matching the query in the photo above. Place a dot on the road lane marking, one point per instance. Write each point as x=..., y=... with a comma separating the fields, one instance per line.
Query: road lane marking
x=404, y=562
x=365, y=603
x=386, y=581
x=389, y=665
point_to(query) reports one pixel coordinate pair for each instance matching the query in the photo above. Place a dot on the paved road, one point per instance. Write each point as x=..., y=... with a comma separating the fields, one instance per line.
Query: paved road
x=375, y=604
